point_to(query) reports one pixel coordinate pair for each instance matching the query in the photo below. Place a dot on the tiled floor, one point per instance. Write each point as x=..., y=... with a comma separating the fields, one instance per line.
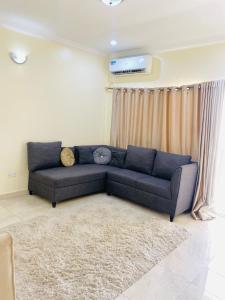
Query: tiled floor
x=194, y=271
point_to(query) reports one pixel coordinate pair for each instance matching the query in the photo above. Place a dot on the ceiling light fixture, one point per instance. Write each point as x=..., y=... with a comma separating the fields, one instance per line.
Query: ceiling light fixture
x=18, y=57
x=112, y=2
x=113, y=43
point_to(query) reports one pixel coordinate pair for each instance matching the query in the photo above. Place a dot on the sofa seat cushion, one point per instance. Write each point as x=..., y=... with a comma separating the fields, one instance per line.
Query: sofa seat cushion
x=124, y=176
x=62, y=177
x=154, y=185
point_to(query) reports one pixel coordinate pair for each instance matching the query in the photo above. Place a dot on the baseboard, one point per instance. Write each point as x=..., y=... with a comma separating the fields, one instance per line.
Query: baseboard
x=13, y=194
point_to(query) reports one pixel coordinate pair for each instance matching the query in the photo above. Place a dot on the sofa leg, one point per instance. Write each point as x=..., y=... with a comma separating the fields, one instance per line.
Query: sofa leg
x=53, y=204
x=109, y=194
x=30, y=192
x=171, y=218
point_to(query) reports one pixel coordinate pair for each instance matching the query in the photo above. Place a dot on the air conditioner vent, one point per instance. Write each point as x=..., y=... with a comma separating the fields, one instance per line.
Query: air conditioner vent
x=129, y=72
x=131, y=65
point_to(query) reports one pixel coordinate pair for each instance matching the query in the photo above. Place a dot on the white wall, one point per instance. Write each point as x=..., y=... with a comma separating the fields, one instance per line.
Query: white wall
x=59, y=94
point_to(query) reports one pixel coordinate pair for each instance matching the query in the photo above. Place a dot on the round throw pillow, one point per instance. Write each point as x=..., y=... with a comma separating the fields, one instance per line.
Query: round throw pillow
x=102, y=156
x=67, y=157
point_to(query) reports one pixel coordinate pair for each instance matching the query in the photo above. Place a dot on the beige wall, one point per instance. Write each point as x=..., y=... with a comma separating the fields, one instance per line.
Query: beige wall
x=183, y=67
x=192, y=65
x=176, y=68
x=59, y=94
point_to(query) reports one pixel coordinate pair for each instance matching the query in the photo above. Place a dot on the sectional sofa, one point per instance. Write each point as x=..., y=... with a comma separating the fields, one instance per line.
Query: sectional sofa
x=161, y=181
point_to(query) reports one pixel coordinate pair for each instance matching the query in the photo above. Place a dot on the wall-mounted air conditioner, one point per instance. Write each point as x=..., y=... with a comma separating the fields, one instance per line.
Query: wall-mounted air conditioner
x=131, y=65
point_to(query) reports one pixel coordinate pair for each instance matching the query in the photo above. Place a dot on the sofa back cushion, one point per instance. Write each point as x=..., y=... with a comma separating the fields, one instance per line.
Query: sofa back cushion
x=166, y=163
x=118, y=157
x=43, y=155
x=140, y=159
x=84, y=154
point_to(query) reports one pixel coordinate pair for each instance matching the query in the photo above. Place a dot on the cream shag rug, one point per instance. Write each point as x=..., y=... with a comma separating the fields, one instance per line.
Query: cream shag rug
x=95, y=251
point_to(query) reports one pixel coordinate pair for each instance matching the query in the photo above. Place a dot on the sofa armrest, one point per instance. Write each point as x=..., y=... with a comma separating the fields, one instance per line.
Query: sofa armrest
x=183, y=186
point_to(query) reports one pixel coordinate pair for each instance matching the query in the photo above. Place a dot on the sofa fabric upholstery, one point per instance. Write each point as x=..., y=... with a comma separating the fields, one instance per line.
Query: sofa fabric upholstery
x=127, y=177
x=140, y=159
x=63, y=177
x=166, y=164
x=138, y=196
x=154, y=185
x=43, y=155
x=56, y=195
x=169, y=188
x=184, y=178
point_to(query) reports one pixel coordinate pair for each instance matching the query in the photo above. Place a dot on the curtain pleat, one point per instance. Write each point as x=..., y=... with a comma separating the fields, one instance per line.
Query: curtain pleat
x=211, y=106
x=165, y=119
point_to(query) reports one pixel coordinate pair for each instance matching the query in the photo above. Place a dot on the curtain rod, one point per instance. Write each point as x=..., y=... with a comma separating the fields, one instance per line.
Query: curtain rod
x=152, y=89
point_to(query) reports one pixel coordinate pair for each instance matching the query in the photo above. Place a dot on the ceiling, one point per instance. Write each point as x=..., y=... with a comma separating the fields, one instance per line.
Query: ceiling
x=153, y=25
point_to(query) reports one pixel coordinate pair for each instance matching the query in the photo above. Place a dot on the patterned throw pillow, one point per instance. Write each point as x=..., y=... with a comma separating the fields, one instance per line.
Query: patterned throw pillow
x=67, y=157
x=102, y=156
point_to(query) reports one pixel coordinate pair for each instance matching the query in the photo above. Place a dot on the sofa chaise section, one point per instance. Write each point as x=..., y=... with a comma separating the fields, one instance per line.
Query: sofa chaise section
x=57, y=184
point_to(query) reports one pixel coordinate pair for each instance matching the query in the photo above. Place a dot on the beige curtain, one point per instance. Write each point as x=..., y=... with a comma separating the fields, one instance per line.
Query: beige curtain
x=165, y=119
x=211, y=104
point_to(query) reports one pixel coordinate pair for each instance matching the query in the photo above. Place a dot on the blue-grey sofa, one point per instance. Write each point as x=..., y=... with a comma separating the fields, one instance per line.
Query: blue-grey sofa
x=159, y=180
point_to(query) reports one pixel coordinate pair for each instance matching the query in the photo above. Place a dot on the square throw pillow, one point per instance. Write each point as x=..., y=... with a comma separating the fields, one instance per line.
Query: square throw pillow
x=86, y=156
x=166, y=164
x=140, y=159
x=43, y=155
x=118, y=157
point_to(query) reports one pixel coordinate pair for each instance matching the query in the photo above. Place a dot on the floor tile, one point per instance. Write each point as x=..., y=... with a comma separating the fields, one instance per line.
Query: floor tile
x=158, y=284
x=8, y=221
x=4, y=213
x=193, y=292
x=210, y=282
